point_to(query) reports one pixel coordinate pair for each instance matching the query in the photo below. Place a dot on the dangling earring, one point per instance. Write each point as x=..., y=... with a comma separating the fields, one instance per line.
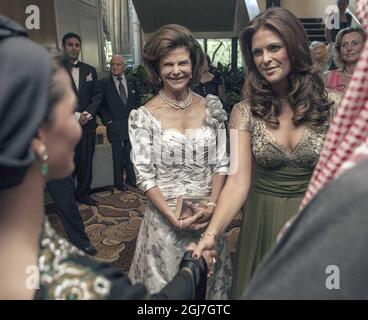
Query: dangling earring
x=44, y=157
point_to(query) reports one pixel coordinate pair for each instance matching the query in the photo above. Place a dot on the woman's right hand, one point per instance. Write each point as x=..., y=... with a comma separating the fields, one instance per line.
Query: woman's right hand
x=190, y=223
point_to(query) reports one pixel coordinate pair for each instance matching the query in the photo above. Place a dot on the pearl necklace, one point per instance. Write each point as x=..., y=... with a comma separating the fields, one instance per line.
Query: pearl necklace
x=348, y=75
x=177, y=104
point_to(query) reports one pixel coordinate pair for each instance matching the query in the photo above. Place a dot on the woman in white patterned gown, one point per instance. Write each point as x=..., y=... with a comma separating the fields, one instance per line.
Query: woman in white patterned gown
x=178, y=148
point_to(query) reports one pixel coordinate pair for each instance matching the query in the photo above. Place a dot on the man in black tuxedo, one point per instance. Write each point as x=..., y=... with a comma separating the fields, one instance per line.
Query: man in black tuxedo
x=121, y=95
x=86, y=87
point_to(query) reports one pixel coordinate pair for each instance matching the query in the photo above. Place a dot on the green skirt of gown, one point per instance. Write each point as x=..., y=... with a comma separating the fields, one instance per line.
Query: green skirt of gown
x=274, y=198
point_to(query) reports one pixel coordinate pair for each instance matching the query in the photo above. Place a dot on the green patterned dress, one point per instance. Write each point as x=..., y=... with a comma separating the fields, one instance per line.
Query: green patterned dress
x=279, y=181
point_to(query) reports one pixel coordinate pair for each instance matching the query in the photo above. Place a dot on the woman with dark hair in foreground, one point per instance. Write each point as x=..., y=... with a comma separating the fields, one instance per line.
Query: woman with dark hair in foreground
x=37, y=139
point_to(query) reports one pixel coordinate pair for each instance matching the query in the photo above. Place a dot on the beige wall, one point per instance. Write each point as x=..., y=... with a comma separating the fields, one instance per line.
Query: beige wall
x=58, y=17
x=306, y=8
x=262, y=5
x=81, y=17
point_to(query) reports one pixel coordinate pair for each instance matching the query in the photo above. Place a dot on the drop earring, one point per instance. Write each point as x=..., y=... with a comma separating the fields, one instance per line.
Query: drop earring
x=44, y=157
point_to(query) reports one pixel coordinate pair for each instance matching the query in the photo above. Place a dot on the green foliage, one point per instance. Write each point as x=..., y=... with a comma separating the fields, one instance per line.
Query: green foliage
x=140, y=73
x=234, y=81
x=219, y=50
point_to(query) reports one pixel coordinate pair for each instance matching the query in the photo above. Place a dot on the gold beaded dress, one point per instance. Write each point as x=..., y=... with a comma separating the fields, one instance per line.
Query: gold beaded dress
x=279, y=180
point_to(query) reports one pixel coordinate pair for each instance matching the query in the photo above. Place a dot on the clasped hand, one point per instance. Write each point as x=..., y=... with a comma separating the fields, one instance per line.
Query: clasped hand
x=197, y=217
x=85, y=117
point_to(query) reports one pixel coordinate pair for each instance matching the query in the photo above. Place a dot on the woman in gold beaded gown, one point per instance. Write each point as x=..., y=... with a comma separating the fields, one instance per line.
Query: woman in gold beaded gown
x=277, y=132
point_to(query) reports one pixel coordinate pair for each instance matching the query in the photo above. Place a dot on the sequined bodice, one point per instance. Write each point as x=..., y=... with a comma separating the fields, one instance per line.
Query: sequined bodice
x=270, y=154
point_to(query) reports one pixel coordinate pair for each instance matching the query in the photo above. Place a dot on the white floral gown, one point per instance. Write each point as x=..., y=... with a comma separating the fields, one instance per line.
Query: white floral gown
x=179, y=165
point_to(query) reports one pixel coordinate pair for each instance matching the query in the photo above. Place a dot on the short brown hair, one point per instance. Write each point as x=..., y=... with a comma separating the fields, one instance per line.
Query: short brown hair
x=164, y=40
x=337, y=47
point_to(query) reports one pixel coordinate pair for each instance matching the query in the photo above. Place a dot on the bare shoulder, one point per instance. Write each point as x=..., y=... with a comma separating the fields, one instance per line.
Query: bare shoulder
x=199, y=101
x=153, y=103
x=157, y=108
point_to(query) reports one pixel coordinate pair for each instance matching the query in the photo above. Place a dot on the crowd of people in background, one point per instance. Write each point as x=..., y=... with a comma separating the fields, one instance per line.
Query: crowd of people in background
x=290, y=122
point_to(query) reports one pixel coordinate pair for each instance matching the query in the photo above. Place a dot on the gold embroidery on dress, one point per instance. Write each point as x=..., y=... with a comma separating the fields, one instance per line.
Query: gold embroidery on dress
x=337, y=98
x=64, y=278
x=273, y=155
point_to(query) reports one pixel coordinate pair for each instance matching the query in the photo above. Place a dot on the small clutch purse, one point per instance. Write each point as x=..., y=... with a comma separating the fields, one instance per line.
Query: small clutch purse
x=183, y=211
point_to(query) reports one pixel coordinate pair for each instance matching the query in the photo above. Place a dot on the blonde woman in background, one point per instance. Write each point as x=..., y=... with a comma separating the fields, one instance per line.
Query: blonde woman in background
x=319, y=54
x=348, y=46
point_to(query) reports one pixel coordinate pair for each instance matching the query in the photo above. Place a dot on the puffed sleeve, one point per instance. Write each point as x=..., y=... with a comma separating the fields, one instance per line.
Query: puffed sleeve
x=241, y=117
x=222, y=163
x=142, y=155
x=216, y=118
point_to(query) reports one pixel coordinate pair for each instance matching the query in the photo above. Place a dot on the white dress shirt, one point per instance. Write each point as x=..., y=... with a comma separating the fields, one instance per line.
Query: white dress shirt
x=75, y=75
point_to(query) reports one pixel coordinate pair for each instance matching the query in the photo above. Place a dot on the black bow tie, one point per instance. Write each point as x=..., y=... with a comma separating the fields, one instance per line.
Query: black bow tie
x=76, y=65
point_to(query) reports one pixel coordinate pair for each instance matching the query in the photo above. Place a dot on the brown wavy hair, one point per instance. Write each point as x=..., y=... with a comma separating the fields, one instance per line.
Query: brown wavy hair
x=307, y=95
x=164, y=40
x=338, y=43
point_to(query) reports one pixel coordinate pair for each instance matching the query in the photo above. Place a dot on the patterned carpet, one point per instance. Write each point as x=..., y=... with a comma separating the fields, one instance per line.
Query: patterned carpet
x=113, y=226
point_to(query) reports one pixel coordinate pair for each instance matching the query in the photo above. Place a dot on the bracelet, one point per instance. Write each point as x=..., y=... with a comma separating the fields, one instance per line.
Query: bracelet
x=211, y=204
x=210, y=234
